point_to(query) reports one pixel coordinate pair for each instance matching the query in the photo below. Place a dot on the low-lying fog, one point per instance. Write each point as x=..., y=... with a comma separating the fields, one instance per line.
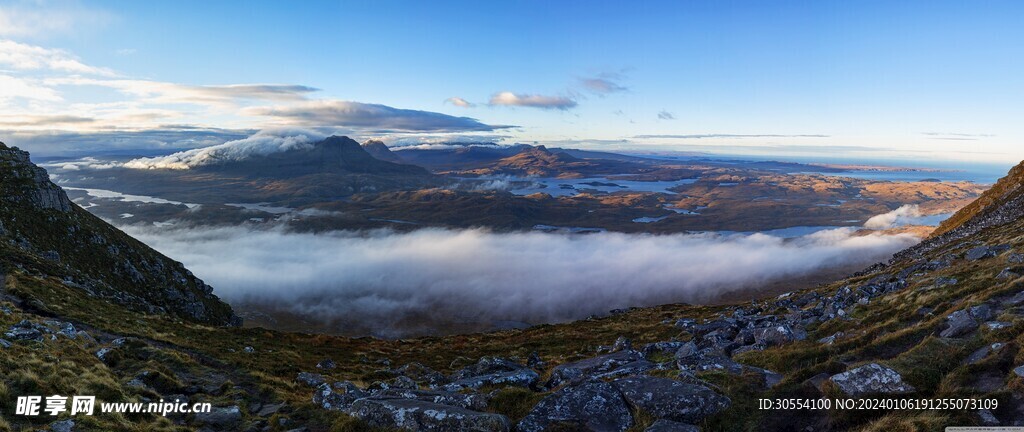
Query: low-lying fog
x=434, y=281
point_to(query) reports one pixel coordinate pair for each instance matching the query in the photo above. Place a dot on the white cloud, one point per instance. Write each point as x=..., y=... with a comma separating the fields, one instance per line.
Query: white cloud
x=374, y=117
x=40, y=18
x=507, y=98
x=460, y=102
x=25, y=57
x=395, y=284
x=261, y=143
x=15, y=87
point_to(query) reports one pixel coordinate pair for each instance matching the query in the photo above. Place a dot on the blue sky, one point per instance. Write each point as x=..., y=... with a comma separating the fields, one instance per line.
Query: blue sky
x=895, y=80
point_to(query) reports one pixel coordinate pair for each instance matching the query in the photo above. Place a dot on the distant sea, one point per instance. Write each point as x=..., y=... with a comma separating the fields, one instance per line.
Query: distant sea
x=983, y=173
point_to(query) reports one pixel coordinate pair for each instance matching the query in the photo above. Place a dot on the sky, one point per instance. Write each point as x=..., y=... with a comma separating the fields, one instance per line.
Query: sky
x=900, y=80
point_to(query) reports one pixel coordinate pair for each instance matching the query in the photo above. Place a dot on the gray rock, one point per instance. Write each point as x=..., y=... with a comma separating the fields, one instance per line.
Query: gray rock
x=472, y=401
x=337, y=397
x=987, y=418
x=943, y=281
x=417, y=415
x=665, y=398
x=982, y=252
x=869, y=379
x=310, y=379
x=62, y=426
x=518, y=378
x=581, y=370
x=226, y=418
x=959, y=323
x=594, y=406
x=1015, y=258
x=326, y=364
x=401, y=382
x=622, y=343
x=983, y=352
x=829, y=340
x=671, y=426
x=997, y=325
x=1019, y=371
x=486, y=366
x=1009, y=273
x=982, y=312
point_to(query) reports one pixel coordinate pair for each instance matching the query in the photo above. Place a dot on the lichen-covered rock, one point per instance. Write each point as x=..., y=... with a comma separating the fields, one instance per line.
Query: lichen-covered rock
x=583, y=369
x=472, y=401
x=870, y=379
x=336, y=397
x=517, y=378
x=959, y=323
x=669, y=399
x=418, y=415
x=310, y=379
x=778, y=335
x=593, y=406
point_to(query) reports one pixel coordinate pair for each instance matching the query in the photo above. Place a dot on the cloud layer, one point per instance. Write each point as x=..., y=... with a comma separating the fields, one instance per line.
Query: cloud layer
x=507, y=98
x=259, y=144
x=426, y=281
x=375, y=117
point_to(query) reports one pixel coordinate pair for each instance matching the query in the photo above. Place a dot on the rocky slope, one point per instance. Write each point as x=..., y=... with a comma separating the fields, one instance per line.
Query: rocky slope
x=41, y=231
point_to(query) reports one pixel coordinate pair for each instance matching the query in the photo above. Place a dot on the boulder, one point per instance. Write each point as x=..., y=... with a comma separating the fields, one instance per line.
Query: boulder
x=226, y=418
x=778, y=335
x=870, y=379
x=959, y=323
x=337, y=397
x=62, y=426
x=982, y=252
x=581, y=370
x=671, y=426
x=519, y=378
x=669, y=399
x=310, y=379
x=418, y=415
x=594, y=406
x=472, y=401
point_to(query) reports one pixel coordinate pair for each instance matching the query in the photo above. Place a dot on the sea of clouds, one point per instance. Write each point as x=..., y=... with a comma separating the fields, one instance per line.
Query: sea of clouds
x=393, y=284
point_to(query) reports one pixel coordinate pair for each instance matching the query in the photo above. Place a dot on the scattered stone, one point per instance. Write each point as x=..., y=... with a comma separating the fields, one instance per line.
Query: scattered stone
x=869, y=379
x=1010, y=273
x=959, y=323
x=997, y=325
x=337, y=397
x=62, y=426
x=534, y=361
x=1019, y=371
x=519, y=378
x=671, y=426
x=943, y=281
x=829, y=340
x=1015, y=258
x=226, y=418
x=249, y=349
x=622, y=343
x=982, y=252
x=472, y=401
x=4, y=343
x=987, y=418
x=578, y=371
x=417, y=415
x=326, y=364
x=310, y=379
x=595, y=405
x=25, y=330
x=983, y=352
x=665, y=398
x=401, y=382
